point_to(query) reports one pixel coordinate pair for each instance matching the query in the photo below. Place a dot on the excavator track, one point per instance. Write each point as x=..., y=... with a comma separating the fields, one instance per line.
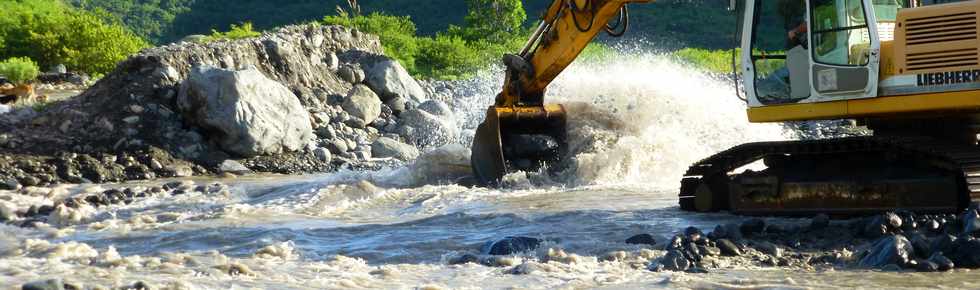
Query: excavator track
x=855, y=175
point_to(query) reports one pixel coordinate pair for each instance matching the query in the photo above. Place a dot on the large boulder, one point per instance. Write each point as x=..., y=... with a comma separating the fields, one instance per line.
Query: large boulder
x=390, y=80
x=249, y=114
x=889, y=250
x=386, y=147
x=363, y=105
x=427, y=129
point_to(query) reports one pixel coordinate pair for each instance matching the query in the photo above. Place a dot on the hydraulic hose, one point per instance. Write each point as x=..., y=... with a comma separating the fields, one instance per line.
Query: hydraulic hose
x=623, y=23
x=576, y=9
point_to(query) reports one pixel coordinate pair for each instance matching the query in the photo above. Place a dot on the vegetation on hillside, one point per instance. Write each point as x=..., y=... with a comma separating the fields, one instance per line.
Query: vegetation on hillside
x=51, y=33
x=460, y=51
x=19, y=69
x=236, y=31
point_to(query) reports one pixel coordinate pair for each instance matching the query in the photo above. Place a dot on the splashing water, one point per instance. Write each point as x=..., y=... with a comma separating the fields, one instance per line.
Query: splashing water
x=636, y=119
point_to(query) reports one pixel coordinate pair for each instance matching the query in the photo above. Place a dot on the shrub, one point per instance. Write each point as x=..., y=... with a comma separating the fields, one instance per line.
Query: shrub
x=448, y=57
x=244, y=30
x=19, y=69
x=397, y=34
x=52, y=33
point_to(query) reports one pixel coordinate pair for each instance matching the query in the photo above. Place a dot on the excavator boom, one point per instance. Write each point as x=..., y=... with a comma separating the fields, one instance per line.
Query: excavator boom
x=520, y=132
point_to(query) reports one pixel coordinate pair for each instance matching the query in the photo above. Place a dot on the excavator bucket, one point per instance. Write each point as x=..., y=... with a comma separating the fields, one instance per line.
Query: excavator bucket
x=519, y=139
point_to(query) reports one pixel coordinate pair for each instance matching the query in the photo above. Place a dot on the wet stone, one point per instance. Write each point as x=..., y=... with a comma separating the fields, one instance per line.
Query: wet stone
x=512, y=245
x=693, y=234
x=50, y=284
x=675, y=261
x=464, y=259
x=922, y=246
x=819, y=222
x=752, y=226
x=943, y=243
x=967, y=253
x=942, y=262
x=709, y=250
x=641, y=239
x=894, y=249
x=770, y=249
x=926, y=266
x=728, y=248
x=971, y=222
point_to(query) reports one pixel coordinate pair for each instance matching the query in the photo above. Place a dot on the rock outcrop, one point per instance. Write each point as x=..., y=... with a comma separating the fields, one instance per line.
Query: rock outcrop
x=303, y=98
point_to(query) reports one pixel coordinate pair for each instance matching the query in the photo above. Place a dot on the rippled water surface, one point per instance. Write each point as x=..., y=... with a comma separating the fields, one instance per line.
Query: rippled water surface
x=635, y=128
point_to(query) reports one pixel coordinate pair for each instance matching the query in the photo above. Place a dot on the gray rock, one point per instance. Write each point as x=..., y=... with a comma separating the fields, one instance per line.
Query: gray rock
x=6, y=214
x=449, y=163
x=398, y=105
x=338, y=146
x=351, y=74
x=438, y=108
x=728, y=248
x=58, y=69
x=511, y=245
x=429, y=130
x=892, y=249
x=675, y=261
x=331, y=60
x=942, y=263
x=323, y=154
x=251, y=114
x=9, y=184
x=752, y=226
x=194, y=38
x=819, y=222
x=390, y=80
x=232, y=166
x=386, y=147
x=770, y=249
x=641, y=239
x=363, y=105
x=50, y=284
x=971, y=221
x=967, y=253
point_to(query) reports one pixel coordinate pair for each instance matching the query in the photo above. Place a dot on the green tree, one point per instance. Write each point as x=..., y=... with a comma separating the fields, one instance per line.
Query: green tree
x=494, y=20
x=51, y=33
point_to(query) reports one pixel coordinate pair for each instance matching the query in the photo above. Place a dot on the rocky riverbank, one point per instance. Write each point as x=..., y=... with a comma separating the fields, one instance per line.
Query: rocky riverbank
x=887, y=242
x=300, y=99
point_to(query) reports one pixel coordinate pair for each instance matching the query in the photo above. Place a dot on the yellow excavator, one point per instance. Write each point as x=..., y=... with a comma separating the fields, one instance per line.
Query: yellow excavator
x=908, y=70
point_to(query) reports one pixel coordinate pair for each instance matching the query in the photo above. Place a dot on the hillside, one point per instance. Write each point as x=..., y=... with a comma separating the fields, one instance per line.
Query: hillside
x=685, y=22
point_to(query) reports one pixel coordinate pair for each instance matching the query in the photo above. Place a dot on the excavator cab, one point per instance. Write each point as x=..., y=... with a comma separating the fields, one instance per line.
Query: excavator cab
x=811, y=51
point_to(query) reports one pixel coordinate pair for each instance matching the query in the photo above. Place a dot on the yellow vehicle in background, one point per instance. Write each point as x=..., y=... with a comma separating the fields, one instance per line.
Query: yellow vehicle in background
x=908, y=70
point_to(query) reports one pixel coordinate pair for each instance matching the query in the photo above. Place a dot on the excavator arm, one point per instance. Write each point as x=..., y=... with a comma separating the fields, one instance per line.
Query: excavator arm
x=520, y=132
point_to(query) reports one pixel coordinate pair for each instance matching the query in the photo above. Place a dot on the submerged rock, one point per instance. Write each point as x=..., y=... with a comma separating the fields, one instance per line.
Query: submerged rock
x=50, y=284
x=893, y=249
x=251, y=114
x=641, y=239
x=511, y=245
x=449, y=163
x=675, y=261
x=728, y=248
